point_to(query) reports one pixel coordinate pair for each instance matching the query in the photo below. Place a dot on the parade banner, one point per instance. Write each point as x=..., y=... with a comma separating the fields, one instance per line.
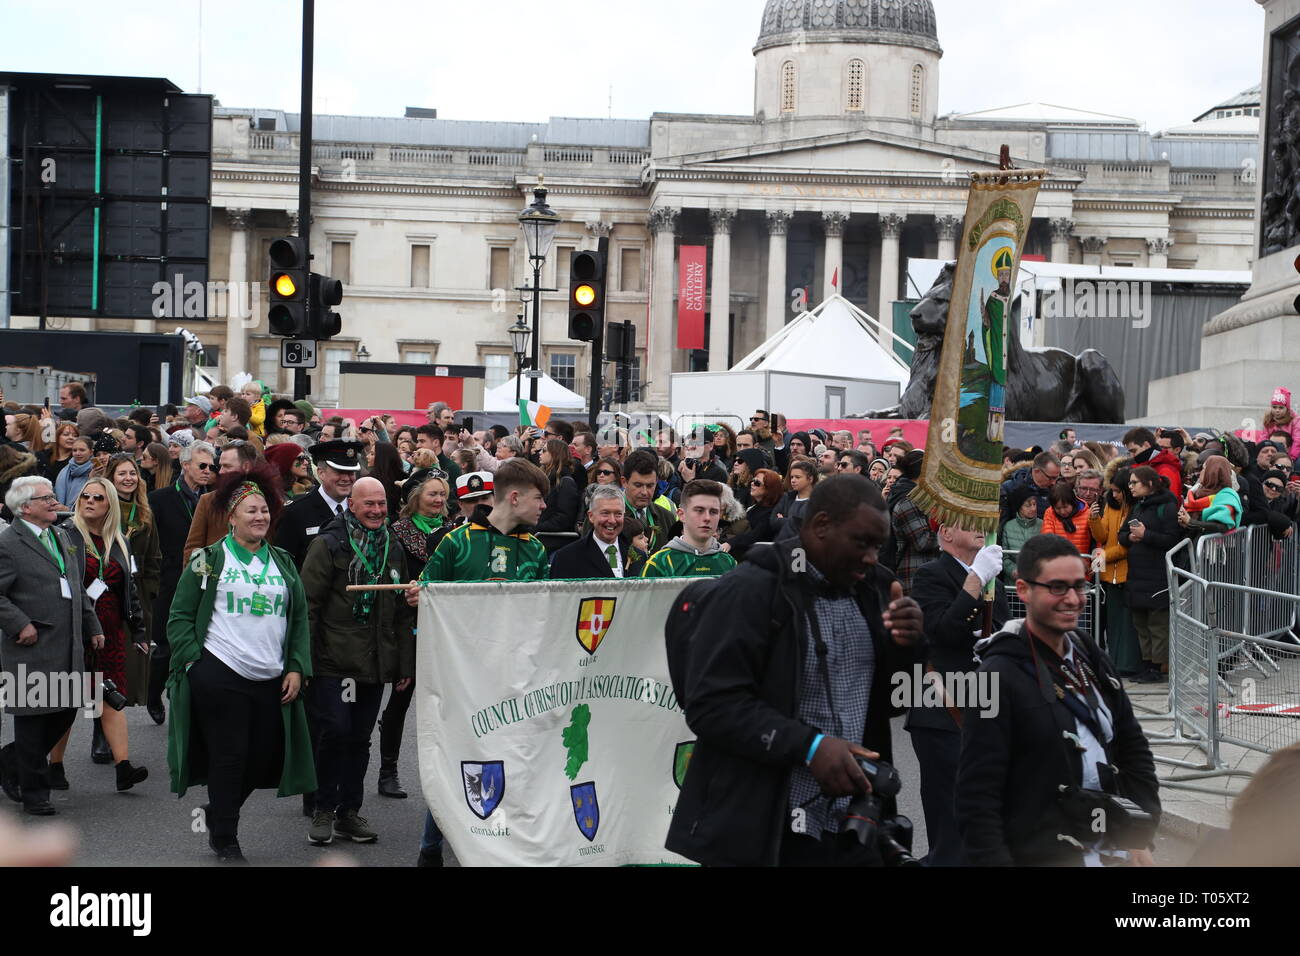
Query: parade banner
x=549, y=734
x=962, y=471
x=690, y=297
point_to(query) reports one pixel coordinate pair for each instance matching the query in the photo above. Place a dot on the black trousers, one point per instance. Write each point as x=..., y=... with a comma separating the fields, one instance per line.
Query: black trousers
x=831, y=850
x=393, y=721
x=343, y=715
x=937, y=753
x=243, y=729
x=33, y=738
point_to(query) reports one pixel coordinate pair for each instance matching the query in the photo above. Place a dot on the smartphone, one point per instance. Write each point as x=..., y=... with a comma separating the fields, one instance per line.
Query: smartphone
x=467, y=423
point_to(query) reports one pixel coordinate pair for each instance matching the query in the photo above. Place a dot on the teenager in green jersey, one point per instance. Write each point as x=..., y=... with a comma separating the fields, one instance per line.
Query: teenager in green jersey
x=696, y=552
x=495, y=544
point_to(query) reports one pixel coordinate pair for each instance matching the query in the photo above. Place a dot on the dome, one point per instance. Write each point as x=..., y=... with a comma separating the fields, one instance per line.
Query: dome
x=900, y=22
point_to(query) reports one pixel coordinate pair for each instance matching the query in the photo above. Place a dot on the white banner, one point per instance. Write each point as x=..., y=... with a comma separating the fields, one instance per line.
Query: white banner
x=548, y=730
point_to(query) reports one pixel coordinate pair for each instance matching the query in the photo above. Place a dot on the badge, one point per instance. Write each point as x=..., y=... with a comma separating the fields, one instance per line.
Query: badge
x=134, y=569
x=315, y=530
x=97, y=587
x=64, y=590
x=259, y=605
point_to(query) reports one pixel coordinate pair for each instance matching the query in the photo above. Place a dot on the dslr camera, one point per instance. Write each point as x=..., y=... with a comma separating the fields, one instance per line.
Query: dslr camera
x=863, y=817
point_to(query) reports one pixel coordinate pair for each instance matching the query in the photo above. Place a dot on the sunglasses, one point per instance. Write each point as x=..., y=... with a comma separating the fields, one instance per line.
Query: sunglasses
x=365, y=431
x=606, y=473
x=1273, y=485
x=89, y=497
x=756, y=483
x=756, y=419
x=205, y=466
x=302, y=460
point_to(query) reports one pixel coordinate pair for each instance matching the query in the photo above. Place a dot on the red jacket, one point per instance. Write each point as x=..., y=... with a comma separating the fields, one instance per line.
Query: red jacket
x=1171, y=466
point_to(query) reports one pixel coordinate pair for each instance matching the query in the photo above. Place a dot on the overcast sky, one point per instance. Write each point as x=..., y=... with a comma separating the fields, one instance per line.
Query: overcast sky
x=1161, y=62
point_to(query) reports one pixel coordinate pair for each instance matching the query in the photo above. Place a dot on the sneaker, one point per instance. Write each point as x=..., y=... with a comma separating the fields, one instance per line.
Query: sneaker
x=322, y=828
x=352, y=827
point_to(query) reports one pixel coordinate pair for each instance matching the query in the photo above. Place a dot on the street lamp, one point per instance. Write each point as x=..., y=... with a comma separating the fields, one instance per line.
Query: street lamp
x=519, y=333
x=539, y=222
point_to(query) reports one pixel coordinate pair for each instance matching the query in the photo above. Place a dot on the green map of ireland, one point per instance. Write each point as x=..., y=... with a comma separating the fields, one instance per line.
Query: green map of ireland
x=575, y=740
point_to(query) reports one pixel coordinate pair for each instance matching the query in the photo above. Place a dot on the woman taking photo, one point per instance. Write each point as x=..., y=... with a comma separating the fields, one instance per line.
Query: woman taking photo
x=240, y=651
x=424, y=513
x=1150, y=532
x=109, y=584
x=156, y=467
x=67, y=486
x=561, y=512
x=1106, y=517
x=146, y=563
x=724, y=446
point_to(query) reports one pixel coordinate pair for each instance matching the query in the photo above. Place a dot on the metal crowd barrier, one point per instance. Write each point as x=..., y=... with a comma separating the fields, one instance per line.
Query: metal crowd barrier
x=1091, y=617
x=1234, y=660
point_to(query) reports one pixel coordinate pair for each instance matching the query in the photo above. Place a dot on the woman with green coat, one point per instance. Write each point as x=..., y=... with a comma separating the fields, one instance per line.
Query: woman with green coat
x=240, y=652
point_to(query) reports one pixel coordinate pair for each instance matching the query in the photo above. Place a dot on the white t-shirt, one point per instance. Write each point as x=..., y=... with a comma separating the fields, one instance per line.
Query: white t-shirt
x=250, y=621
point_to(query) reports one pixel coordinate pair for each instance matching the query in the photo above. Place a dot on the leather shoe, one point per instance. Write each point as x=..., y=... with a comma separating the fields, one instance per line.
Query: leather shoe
x=100, y=752
x=39, y=808
x=128, y=776
x=390, y=786
x=157, y=712
x=58, y=778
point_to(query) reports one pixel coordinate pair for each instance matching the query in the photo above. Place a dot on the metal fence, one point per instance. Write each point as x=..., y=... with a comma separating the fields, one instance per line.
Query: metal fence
x=1234, y=663
x=1091, y=618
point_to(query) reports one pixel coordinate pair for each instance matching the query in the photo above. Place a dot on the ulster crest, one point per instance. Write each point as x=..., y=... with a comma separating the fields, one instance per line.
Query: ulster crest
x=485, y=785
x=682, y=760
x=586, y=811
x=594, y=618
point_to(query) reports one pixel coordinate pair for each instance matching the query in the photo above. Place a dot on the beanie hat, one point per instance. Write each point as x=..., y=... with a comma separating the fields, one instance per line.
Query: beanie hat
x=1017, y=496
x=753, y=458
x=1281, y=396
x=307, y=408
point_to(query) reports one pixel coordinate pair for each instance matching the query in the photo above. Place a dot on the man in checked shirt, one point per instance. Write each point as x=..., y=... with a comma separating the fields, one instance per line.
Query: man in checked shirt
x=787, y=679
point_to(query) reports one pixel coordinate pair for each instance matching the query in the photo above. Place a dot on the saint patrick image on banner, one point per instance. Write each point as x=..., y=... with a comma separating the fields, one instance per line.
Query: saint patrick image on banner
x=984, y=363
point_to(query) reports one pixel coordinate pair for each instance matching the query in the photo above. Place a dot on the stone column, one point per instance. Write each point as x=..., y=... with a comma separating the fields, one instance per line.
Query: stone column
x=1062, y=230
x=1092, y=249
x=1158, y=253
x=833, y=224
x=662, y=223
x=722, y=221
x=236, y=332
x=597, y=230
x=778, y=224
x=948, y=228
x=891, y=228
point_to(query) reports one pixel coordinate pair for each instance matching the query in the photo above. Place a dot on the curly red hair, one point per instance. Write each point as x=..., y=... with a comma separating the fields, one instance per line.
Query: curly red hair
x=261, y=473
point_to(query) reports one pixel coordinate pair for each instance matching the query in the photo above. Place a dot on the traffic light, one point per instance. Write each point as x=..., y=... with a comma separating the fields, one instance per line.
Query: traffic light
x=620, y=342
x=325, y=292
x=288, y=279
x=586, y=295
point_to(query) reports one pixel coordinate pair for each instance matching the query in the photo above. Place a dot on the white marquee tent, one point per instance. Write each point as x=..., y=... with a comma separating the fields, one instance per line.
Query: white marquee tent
x=549, y=392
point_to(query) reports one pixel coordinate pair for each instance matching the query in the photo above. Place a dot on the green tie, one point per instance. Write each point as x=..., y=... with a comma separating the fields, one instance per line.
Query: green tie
x=612, y=553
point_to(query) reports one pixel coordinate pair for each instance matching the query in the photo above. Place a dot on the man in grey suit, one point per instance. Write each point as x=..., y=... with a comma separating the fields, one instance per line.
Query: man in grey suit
x=44, y=611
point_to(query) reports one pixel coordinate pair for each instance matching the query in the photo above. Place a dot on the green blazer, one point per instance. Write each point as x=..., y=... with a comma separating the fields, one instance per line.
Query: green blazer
x=187, y=629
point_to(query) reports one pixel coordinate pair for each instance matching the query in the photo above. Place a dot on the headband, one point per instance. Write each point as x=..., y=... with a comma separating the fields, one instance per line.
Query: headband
x=246, y=490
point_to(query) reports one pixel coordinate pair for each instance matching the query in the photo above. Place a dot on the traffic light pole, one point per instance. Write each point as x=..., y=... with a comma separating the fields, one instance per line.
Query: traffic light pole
x=304, y=165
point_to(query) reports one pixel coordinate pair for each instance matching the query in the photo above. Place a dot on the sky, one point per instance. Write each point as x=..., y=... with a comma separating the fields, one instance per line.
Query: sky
x=1161, y=62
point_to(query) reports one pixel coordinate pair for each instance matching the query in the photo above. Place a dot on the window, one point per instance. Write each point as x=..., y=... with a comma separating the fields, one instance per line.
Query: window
x=341, y=261
x=789, y=84
x=499, y=268
x=497, y=370
x=268, y=366
x=564, y=369
x=332, y=359
x=629, y=270
x=856, y=82
x=918, y=89
x=419, y=266
x=418, y=357
x=634, y=380
x=563, y=258
x=210, y=357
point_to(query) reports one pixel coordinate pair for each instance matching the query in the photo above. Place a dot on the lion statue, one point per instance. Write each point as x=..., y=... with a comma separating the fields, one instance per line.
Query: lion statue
x=1043, y=385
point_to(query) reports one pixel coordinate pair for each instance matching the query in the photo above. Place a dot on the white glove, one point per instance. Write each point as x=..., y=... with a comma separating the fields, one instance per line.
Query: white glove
x=988, y=563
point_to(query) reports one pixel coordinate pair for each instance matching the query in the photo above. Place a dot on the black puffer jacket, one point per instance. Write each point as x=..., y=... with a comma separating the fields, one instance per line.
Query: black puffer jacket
x=1014, y=761
x=742, y=681
x=1148, y=580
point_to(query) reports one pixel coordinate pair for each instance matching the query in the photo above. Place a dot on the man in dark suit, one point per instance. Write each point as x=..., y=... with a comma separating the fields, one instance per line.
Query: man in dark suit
x=338, y=463
x=173, y=511
x=602, y=552
x=45, y=614
x=950, y=590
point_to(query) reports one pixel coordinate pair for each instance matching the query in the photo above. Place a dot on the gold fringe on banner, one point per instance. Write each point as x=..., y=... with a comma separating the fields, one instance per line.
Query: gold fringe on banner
x=962, y=471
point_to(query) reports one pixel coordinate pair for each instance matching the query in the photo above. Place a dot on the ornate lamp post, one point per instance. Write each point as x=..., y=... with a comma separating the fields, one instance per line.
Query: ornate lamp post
x=539, y=222
x=519, y=333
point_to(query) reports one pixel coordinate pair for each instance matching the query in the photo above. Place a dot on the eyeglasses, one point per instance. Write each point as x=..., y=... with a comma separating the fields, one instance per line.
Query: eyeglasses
x=89, y=497
x=606, y=473
x=365, y=431
x=1058, y=588
x=53, y=498
x=302, y=460
x=205, y=466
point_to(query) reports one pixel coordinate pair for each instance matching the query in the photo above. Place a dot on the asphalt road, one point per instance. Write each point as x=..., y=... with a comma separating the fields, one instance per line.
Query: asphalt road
x=149, y=826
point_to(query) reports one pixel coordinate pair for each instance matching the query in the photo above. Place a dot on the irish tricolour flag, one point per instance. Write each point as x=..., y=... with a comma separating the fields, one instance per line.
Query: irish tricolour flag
x=533, y=413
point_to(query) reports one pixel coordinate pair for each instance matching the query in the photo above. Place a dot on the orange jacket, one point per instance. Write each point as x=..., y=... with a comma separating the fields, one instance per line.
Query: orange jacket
x=1081, y=537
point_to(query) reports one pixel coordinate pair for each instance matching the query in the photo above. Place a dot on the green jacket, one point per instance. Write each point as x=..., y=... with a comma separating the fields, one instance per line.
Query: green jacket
x=476, y=551
x=679, y=560
x=187, y=629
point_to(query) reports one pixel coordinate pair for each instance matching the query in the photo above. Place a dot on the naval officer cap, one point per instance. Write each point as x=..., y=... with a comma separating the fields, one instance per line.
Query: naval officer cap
x=339, y=454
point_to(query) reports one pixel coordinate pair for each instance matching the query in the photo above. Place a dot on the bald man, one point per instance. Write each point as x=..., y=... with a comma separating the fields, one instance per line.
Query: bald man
x=361, y=640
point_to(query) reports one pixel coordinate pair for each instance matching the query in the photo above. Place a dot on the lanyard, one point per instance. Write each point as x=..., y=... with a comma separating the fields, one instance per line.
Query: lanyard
x=52, y=546
x=185, y=501
x=247, y=557
x=373, y=572
x=99, y=559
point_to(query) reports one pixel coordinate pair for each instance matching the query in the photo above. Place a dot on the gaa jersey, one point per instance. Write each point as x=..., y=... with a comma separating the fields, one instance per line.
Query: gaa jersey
x=476, y=551
x=671, y=562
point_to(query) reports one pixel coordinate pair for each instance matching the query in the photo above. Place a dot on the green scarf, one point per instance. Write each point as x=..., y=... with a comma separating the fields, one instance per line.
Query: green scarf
x=369, y=563
x=427, y=525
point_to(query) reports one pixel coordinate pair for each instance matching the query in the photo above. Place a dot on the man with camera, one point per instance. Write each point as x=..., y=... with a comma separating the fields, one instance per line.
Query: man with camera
x=1059, y=773
x=786, y=684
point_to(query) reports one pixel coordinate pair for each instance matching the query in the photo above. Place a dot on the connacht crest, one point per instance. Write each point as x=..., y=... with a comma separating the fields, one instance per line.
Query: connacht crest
x=682, y=760
x=586, y=811
x=485, y=785
x=594, y=618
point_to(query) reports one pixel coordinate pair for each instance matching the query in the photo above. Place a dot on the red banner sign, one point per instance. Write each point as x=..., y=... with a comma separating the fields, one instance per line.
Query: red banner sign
x=691, y=287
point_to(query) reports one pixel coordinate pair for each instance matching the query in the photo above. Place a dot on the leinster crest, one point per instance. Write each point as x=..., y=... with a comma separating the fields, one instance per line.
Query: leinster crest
x=485, y=785
x=594, y=618
x=586, y=811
